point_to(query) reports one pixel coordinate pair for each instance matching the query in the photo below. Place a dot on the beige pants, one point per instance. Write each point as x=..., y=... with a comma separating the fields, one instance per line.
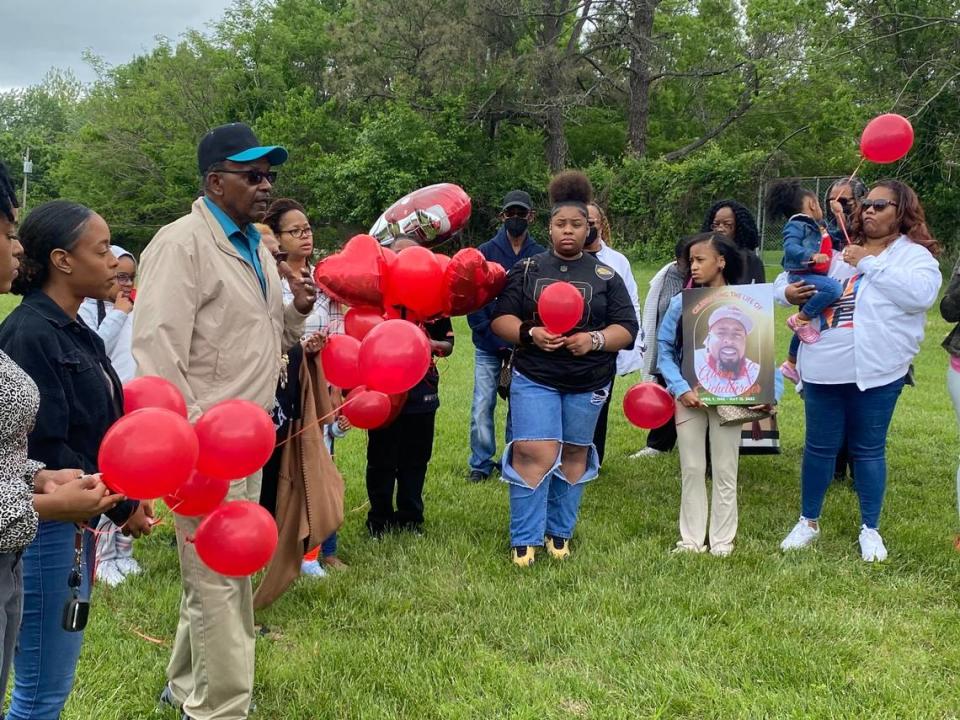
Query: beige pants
x=692, y=427
x=211, y=668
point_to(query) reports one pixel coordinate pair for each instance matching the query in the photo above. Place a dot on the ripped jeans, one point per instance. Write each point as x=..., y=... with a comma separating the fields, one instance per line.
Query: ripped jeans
x=539, y=412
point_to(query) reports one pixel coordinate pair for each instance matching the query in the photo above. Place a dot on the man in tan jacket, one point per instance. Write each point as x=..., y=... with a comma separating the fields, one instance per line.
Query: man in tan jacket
x=210, y=318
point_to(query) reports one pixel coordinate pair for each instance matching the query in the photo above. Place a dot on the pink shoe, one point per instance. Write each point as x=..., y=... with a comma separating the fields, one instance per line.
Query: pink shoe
x=804, y=329
x=789, y=371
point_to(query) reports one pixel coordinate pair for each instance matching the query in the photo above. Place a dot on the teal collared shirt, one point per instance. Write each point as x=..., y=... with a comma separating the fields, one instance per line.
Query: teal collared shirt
x=246, y=242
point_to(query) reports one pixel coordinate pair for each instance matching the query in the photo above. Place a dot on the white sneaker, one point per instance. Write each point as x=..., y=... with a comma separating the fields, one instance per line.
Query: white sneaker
x=801, y=536
x=646, y=452
x=871, y=545
x=109, y=573
x=128, y=566
x=312, y=568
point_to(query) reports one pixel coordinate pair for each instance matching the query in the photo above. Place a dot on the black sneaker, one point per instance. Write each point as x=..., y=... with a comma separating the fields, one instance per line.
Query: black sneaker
x=476, y=476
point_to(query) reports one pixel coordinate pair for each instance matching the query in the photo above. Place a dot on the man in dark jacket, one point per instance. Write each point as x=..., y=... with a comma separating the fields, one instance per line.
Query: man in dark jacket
x=511, y=244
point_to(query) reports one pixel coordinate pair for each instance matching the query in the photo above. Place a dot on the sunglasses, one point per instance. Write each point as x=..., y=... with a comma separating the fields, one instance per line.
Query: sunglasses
x=877, y=205
x=254, y=177
x=281, y=256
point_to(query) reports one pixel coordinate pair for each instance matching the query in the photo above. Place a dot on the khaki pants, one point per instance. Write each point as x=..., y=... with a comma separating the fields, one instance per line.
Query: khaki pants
x=211, y=667
x=692, y=427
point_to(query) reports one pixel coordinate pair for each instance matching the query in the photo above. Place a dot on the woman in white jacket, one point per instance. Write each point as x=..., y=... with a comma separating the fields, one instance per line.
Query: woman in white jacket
x=853, y=376
x=630, y=360
x=113, y=322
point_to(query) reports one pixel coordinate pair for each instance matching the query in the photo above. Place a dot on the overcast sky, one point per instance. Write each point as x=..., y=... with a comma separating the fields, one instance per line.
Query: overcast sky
x=41, y=34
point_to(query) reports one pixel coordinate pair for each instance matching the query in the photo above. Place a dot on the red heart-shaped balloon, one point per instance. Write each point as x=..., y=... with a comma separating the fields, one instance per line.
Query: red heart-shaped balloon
x=355, y=275
x=472, y=281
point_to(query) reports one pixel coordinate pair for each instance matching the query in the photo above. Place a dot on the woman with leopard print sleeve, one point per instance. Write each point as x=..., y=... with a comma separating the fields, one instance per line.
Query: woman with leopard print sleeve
x=28, y=492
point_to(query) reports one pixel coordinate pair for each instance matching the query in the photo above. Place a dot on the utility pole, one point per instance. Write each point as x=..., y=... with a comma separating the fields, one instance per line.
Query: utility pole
x=27, y=170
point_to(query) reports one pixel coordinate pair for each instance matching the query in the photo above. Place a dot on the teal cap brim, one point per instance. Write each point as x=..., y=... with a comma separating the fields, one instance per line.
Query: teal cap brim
x=274, y=153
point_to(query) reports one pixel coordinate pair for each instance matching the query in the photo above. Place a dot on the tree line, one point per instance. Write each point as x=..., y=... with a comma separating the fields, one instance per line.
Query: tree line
x=667, y=104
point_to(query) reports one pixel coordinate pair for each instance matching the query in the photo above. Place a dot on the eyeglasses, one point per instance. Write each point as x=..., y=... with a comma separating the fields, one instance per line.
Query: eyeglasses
x=254, y=177
x=878, y=205
x=298, y=232
x=281, y=256
x=126, y=278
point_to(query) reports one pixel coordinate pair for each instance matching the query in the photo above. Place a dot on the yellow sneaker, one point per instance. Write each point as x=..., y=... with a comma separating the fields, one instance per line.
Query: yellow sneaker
x=524, y=555
x=559, y=548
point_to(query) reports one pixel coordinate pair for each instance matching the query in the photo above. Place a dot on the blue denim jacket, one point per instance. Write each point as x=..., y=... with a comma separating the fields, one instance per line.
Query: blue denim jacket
x=80, y=394
x=801, y=241
x=669, y=353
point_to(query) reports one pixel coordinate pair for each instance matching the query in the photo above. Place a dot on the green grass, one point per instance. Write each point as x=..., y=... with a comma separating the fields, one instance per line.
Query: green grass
x=444, y=627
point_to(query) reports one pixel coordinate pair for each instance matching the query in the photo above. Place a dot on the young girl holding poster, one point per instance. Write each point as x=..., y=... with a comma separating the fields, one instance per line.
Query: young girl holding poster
x=713, y=262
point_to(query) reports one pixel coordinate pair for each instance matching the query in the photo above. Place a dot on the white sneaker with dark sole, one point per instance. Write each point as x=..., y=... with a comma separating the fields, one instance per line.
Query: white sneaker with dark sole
x=801, y=536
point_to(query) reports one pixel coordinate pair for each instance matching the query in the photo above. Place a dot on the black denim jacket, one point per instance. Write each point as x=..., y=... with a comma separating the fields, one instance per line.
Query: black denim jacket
x=80, y=394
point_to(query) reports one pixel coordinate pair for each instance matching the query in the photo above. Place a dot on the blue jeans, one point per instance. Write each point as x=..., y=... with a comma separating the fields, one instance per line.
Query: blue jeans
x=483, y=432
x=828, y=292
x=46, y=657
x=542, y=413
x=863, y=417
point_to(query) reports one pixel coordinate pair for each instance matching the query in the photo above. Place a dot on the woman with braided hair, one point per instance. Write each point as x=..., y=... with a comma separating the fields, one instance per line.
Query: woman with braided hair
x=560, y=382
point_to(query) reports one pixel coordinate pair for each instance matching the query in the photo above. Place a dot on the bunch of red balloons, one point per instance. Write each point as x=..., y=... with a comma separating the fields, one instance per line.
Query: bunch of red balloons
x=153, y=451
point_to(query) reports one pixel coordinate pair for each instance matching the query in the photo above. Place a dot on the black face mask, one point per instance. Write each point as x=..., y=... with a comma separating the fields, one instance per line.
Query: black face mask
x=592, y=236
x=516, y=226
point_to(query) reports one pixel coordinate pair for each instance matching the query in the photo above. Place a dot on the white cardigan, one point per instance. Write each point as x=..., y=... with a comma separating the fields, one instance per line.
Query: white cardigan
x=628, y=361
x=897, y=289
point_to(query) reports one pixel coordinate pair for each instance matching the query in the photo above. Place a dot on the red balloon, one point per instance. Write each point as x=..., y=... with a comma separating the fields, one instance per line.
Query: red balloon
x=359, y=321
x=432, y=214
x=367, y=409
x=198, y=495
x=397, y=401
x=339, y=359
x=886, y=138
x=236, y=438
x=354, y=275
x=394, y=357
x=153, y=392
x=560, y=306
x=236, y=539
x=647, y=405
x=148, y=453
x=415, y=281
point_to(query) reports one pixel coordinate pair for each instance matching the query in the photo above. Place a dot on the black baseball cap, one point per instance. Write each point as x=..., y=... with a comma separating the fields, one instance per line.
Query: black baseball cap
x=517, y=198
x=236, y=142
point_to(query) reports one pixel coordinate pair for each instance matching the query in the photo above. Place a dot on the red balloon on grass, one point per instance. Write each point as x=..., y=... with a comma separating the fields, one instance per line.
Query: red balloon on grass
x=153, y=392
x=339, y=359
x=360, y=320
x=367, y=409
x=560, y=307
x=236, y=438
x=236, y=539
x=647, y=405
x=199, y=495
x=394, y=357
x=886, y=138
x=148, y=453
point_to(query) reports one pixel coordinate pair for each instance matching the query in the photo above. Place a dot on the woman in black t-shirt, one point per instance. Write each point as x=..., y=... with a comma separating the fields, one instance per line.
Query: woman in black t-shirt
x=560, y=382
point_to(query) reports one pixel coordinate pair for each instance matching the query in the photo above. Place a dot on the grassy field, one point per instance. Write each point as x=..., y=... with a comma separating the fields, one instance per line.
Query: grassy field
x=444, y=626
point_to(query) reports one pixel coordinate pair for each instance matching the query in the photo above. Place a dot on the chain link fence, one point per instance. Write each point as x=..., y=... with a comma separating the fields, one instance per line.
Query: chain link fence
x=771, y=231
